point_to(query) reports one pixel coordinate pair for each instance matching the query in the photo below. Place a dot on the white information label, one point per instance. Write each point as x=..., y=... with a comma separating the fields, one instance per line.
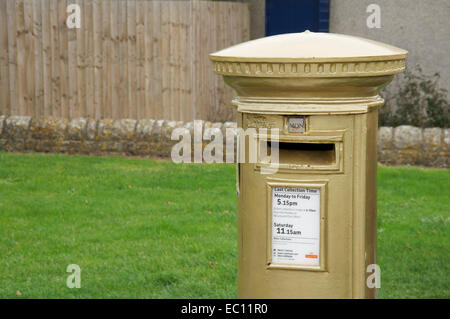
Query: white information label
x=296, y=226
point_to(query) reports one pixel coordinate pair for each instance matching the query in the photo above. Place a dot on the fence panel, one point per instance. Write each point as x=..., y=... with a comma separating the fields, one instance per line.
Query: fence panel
x=130, y=58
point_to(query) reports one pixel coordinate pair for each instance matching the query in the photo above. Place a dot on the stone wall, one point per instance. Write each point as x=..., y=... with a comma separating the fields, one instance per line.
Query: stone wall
x=86, y=136
x=403, y=145
x=408, y=145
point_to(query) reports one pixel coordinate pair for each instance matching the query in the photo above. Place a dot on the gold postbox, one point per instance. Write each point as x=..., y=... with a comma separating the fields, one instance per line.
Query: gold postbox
x=308, y=230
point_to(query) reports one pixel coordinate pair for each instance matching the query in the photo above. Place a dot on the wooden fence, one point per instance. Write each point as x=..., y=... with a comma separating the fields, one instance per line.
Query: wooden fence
x=130, y=58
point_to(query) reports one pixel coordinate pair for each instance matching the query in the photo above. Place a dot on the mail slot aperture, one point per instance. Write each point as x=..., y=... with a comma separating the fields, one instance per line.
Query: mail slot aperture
x=306, y=154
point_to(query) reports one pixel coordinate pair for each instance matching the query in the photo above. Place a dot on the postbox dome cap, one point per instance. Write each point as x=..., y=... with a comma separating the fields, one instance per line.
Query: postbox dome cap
x=310, y=54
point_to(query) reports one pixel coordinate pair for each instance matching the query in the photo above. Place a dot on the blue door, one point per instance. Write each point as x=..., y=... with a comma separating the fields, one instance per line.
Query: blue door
x=287, y=16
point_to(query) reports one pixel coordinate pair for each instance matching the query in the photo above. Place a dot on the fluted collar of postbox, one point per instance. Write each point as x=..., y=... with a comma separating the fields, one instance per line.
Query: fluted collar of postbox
x=308, y=65
x=309, y=54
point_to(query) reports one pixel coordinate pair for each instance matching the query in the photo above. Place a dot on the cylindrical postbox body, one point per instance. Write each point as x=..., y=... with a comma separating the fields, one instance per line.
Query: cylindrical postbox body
x=307, y=228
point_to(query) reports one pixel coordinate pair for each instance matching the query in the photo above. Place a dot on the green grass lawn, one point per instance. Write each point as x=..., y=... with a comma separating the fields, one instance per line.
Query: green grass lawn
x=140, y=228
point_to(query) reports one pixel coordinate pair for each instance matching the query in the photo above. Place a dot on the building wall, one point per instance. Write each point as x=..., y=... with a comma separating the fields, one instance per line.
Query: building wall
x=421, y=27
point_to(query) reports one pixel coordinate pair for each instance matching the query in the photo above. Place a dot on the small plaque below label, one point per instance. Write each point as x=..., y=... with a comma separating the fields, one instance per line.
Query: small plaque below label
x=296, y=124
